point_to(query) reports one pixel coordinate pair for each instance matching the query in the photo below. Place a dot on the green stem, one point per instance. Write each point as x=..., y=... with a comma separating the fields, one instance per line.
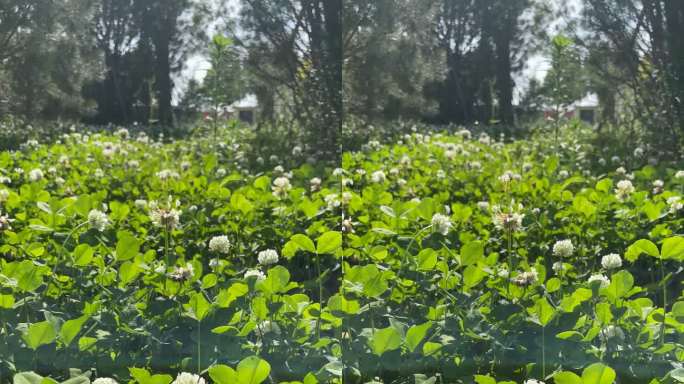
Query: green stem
x=662, y=326
x=320, y=296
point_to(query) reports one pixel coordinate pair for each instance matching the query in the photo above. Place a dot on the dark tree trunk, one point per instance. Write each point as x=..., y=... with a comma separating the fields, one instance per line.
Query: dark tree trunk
x=163, y=83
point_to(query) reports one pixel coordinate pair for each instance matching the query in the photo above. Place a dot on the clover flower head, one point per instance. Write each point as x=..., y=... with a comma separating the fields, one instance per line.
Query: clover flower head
x=97, y=220
x=268, y=257
x=611, y=261
x=220, y=244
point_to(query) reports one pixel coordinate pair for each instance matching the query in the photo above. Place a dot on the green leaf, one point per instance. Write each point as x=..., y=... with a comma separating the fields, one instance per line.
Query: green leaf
x=427, y=259
x=83, y=254
x=223, y=374
x=276, y=281
x=329, y=242
x=620, y=285
x=198, y=307
x=127, y=246
x=39, y=334
x=677, y=374
x=142, y=376
x=70, y=328
x=416, y=334
x=6, y=301
x=252, y=370
x=304, y=242
x=472, y=275
x=472, y=253
x=673, y=248
x=598, y=373
x=383, y=340
x=566, y=377
x=543, y=311
x=641, y=246
x=27, y=378
x=484, y=379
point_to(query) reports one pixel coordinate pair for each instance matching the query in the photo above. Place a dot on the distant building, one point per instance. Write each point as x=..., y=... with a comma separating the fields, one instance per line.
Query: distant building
x=585, y=109
x=245, y=110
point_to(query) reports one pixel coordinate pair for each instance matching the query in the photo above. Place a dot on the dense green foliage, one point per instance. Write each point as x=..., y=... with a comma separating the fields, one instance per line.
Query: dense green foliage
x=455, y=259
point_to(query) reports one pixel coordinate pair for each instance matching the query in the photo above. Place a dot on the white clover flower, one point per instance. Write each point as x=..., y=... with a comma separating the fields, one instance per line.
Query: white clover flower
x=141, y=203
x=603, y=279
x=558, y=267
x=563, y=248
x=254, y=273
x=219, y=244
x=220, y=173
x=273, y=159
x=615, y=159
x=134, y=164
x=527, y=167
x=509, y=221
x=5, y=222
x=183, y=273
x=612, y=332
x=188, y=378
x=296, y=150
x=441, y=174
x=441, y=223
x=602, y=161
x=526, y=278
x=679, y=175
x=394, y=171
x=563, y=174
x=281, y=185
x=378, y=177
x=268, y=257
x=474, y=165
x=99, y=173
x=534, y=381
x=405, y=161
x=675, y=203
x=4, y=195
x=611, y=261
x=185, y=165
x=97, y=220
x=104, y=380
x=5, y=180
x=59, y=180
x=35, y=174
x=338, y=172
x=621, y=171
x=166, y=174
x=624, y=189
x=268, y=326
x=483, y=205
x=166, y=216
x=315, y=184
x=278, y=170
x=361, y=172
x=260, y=160
x=509, y=176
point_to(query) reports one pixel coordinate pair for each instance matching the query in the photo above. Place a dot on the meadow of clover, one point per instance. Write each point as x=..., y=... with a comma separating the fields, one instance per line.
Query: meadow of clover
x=341, y=192
x=436, y=257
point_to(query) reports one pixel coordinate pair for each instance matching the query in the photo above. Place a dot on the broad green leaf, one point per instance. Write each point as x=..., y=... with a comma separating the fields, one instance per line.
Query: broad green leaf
x=416, y=334
x=252, y=370
x=223, y=374
x=127, y=246
x=383, y=340
x=673, y=248
x=641, y=246
x=328, y=242
x=142, y=376
x=472, y=252
x=27, y=378
x=598, y=373
x=39, y=334
x=70, y=328
x=427, y=259
x=198, y=307
x=566, y=377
